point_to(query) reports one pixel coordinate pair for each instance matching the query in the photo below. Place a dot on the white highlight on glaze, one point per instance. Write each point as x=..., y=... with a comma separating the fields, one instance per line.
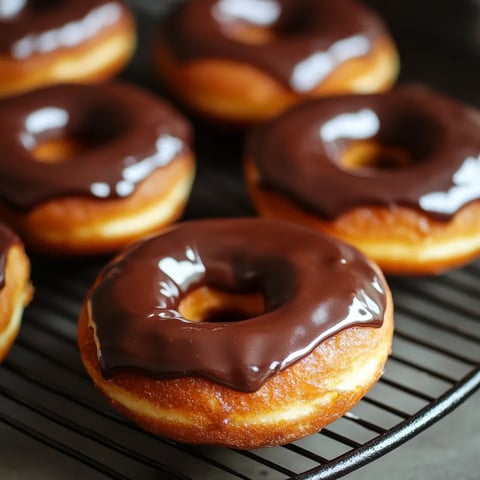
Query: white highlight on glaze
x=465, y=189
x=308, y=73
x=257, y=12
x=68, y=35
x=167, y=147
x=360, y=311
x=11, y=8
x=183, y=272
x=27, y=140
x=100, y=189
x=124, y=188
x=44, y=119
x=359, y=125
x=377, y=286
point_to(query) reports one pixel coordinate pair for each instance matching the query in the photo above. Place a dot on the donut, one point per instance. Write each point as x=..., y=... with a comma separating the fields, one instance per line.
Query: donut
x=15, y=288
x=48, y=42
x=243, y=61
x=88, y=168
x=394, y=174
x=242, y=333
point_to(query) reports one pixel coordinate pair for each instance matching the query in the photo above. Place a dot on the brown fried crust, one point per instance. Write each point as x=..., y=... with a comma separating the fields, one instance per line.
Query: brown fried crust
x=39, y=70
x=401, y=240
x=14, y=296
x=241, y=93
x=294, y=403
x=58, y=225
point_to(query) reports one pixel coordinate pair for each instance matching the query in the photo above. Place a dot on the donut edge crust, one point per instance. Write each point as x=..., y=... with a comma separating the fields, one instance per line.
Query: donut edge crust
x=94, y=60
x=14, y=296
x=400, y=240
x=292, y=404
x=240, y=93
x=79, y=225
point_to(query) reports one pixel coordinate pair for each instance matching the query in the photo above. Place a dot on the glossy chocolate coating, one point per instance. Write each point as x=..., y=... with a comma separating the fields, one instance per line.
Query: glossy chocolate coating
x=313, y=287
x=298, y=154
x=33, y=27
x=7, y=239
x=129, y=133
x=311, y=37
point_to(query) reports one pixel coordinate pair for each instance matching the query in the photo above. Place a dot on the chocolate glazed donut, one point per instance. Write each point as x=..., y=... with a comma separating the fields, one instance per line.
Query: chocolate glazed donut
x=46, y=42
x=273, y=53
x=15, y=288
x=393, y=171
x=220, y=377
x=78, y=160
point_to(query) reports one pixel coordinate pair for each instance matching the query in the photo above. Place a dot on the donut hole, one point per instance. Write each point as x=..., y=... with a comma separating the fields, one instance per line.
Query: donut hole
x=207, y=304
x=374, y=155
x=243, y=31
x=297, y=20
x=252, y=22
x=262, y=21
x=403, y=140
x=247, y=33
x=53, y=136
x=58, y=150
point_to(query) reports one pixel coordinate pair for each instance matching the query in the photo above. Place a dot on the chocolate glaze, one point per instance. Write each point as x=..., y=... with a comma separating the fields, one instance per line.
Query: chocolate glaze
x=129, y=134
x=312, y=37
x=298, y=153
x=35, y=27
x=7, y=239
x=313, y=287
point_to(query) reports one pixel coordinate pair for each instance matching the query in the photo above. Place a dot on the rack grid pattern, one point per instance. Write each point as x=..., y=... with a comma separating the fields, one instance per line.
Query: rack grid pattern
x=46, y=395
x=435, y=365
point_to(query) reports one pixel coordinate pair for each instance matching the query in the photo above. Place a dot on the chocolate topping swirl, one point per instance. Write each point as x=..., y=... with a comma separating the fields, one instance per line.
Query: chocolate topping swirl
x=313, y=287
x=298, y=154
x=128, y=133
x=309, y=38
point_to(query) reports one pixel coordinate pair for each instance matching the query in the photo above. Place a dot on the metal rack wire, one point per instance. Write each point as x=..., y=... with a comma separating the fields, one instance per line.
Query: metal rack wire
x=46, y=395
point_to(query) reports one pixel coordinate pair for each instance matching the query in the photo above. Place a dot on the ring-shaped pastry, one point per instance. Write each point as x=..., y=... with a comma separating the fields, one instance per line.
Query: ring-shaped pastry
x=246, y=60
x=393, y=174
x=241, y=332
x=47, y=42
x=87, y=168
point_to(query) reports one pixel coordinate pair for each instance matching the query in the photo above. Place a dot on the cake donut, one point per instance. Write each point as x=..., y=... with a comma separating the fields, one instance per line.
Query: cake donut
x=47, y=42
x=246, y=60
x=15, y=288
x=395, y=174
x=239, y=332
x=88, y=168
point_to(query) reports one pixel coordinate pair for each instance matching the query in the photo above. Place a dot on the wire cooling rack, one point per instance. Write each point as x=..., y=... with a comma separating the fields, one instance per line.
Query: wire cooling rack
x=46, y=395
